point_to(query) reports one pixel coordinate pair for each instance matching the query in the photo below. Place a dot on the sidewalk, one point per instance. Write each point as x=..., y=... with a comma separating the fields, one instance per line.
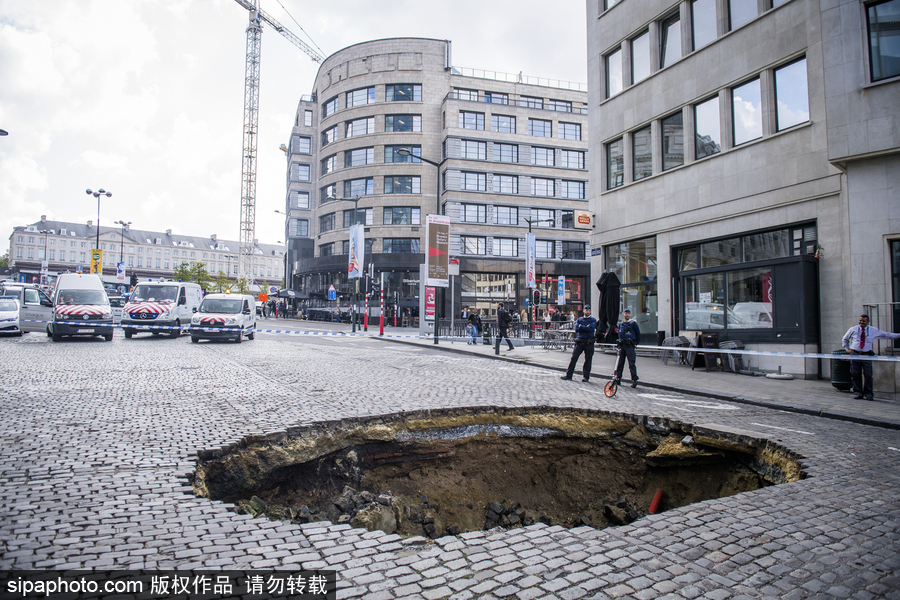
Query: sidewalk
x=814, y=397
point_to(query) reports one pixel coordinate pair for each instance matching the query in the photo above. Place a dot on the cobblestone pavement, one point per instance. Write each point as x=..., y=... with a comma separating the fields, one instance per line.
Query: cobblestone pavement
x=96, y=441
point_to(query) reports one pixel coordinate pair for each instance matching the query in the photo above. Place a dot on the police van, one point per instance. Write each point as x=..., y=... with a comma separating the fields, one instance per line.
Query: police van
x=80, y=307
x=225, y=317
x=166, y=305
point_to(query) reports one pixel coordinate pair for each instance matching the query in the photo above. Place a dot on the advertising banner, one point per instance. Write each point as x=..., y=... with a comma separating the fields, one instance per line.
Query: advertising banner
x=96, y=261
x=561, y=291
x=357, y=252
x=437, y=257
x=430, y=293
x=530, y=281
x=120, y=272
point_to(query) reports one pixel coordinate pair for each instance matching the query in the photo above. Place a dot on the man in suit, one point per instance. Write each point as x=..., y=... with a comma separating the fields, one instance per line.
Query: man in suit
x=858, y=340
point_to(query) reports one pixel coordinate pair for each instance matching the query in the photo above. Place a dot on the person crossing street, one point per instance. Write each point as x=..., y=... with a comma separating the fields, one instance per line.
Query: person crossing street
x=585, y=328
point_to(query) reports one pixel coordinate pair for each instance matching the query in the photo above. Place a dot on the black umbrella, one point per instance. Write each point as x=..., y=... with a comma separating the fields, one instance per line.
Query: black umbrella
x=292, y=294
x=609, y=307
x=409, y=303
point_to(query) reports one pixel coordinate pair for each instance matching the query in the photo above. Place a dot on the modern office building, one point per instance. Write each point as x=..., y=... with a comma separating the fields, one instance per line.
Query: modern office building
x=65, y=247
x=745, y=165
x=511, y=149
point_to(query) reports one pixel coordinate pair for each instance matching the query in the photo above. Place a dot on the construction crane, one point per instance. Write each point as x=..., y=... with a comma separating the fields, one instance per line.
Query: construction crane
x=251, y=125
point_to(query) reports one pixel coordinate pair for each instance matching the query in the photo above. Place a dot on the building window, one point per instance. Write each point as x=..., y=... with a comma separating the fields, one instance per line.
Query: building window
x=882, y=20
x=506, y=247
x=740, y=12
x=542, y=217
x=470, y=95
x=792, y=93
x=503, y=124
x=747, y=116
x=299, y=172
x=508, y=153
x=401, y=215
x=544, y=249
x=506, y=215
x=568, y=219
x=326, y=222
x=403, y=123
x=545, y=157
x=402, y=184
x=613, y=73
x=298, y=228
x=130, y=259
x=391, y=154
x=615, y=164
x=670, y=41
x=573, y=189
x=473, y=213
x=359, y=187
x=360, y=127
x=640, y=57
x=472, y=245
x=496, y=98
x=360, y=97
x=569, y=131
x=158, y=260
x=506, y=184
x=329, y=164
x=531, y=102
x=307, y=118
x=703, y=22
x=571, y=159
x=573, y=250
x=330, y=107
x=471, y=120
x=400, y=245
x=673, y=141
x=642, y=154
x=326, y=249
x=363, y=216
x=400, y=92
x=19, y=252
x=359, y=157
x=560, y=105
x=473, y=182
x=301, y=145
x=329, y=135
x=328, y=193
x=299, y=199
x=706, y=128
x=540, y=128
x=473, y=150
x=51, y=255
x=542, y=187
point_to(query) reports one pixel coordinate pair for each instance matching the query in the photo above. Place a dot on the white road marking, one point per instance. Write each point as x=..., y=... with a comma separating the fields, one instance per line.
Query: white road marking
x=687, y=402
x=783, y=429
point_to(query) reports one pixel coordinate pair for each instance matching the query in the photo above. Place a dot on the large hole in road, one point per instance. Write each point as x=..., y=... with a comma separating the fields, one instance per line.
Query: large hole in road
x=434, y=473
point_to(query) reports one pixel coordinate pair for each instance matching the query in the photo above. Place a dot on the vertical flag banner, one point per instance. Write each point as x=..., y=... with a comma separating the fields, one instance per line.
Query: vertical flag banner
x=437, y=257
x=120, y=272
x=561, y=291
x=430, y=293
x=357, y=251
x=97, y=261
x=530, y=281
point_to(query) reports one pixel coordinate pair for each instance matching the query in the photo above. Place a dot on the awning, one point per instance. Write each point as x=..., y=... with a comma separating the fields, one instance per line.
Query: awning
x=292, y=294
x=409, y=303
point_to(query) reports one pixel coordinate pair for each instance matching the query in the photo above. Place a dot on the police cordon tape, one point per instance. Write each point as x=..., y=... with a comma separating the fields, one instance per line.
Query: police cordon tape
x=673, y=349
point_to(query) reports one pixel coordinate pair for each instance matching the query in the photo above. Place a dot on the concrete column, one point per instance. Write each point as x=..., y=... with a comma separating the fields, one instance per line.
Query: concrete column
x=690, y=140
x=655, y=50
x=726, y=119
x=767, y=99
x=628, y=154
x=656, y=144
x=721, y=18
x=686, y=28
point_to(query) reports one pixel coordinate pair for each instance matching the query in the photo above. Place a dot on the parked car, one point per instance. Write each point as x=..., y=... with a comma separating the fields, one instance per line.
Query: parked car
x=35, y=307
x=117, y=303
x=224, y=316
x=9, y=316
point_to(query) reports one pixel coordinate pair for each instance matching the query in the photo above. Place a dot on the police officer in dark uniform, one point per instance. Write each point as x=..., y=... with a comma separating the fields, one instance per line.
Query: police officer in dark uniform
x=585, y=327
x=629, y=337
x=503, y=321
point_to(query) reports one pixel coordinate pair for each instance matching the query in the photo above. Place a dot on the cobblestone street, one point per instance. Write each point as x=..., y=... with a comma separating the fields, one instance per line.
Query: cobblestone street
x=97, y=441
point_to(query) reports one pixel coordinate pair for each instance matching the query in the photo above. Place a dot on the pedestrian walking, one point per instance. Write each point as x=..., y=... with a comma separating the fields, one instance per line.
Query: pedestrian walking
x=585, y=329
x=629, y=337
x=503, y=321
x=858, y=340
x=474, y=326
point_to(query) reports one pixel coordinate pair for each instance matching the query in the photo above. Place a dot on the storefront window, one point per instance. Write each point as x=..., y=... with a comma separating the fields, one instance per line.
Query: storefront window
x=634, y=263
x=750, y=298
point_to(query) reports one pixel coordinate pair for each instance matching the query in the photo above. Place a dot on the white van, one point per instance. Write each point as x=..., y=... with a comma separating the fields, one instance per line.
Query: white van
x=164, y=304
x=80, y=307
x=231, y=317
x=35, y=307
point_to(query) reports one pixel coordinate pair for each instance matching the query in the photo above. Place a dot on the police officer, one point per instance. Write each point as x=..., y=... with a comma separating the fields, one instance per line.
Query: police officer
x=504, y=319
x=585, y=327
x=629, y=337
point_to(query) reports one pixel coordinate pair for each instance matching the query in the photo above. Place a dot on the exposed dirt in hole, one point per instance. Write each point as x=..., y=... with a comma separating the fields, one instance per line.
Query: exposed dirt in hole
x=461, y=470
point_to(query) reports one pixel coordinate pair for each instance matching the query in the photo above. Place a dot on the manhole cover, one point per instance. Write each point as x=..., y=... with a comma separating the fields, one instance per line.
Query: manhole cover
x=451, y=471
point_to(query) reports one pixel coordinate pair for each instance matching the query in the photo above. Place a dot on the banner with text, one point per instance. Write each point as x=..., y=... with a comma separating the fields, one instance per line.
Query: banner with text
x=561, y=291
x=437, y=236
x=96, y=261
x=357, y=251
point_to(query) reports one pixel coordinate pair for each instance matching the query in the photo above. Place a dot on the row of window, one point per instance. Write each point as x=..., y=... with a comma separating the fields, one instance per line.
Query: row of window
x=470, y=181
x=791, y=108
x=524, y=101
x=468, y=245
x=396, y=92
x=668, y=40
x=366, y=126
x=507, y=124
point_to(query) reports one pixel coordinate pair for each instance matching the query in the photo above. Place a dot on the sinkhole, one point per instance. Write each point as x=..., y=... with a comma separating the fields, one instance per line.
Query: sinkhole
x=440, y=472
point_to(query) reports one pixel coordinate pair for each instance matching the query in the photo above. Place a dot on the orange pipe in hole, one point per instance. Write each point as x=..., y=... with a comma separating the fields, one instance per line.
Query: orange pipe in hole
x=654, y=504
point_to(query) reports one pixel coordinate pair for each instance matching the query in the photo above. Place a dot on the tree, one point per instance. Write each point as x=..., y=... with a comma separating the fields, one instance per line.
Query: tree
x=4, y=260
x=241, y=286
x=220, y=283
x=193, y=271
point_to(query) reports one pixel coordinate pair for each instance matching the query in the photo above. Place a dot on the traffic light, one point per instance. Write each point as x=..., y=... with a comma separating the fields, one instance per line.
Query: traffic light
x=537, y=297
x=134, y=280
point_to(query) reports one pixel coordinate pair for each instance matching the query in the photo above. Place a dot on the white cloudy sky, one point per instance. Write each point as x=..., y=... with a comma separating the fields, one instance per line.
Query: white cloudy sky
x=145, y=97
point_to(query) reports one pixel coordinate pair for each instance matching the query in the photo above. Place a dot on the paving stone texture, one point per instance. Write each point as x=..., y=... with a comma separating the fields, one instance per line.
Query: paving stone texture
x=97, y=439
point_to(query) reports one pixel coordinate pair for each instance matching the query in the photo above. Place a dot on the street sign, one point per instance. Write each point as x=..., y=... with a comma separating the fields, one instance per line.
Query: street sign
x=332, y=293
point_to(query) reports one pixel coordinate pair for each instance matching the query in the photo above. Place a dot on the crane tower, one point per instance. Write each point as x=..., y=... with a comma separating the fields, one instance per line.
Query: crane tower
x=251, y=125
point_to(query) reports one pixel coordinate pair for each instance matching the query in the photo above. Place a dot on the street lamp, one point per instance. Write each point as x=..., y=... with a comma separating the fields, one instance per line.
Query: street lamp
x=355, y=202
x=437, y=201
x=286, y=278
x=122, y=241
x=97, y=194
x=46, y=232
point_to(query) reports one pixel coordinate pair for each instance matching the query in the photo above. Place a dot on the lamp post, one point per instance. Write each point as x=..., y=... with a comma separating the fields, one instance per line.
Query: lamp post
x=46, y=232
x=288, y=284
x=124, y=225
x=437, y=203
x=97, y=194
x=228, y=258
x=353, y=312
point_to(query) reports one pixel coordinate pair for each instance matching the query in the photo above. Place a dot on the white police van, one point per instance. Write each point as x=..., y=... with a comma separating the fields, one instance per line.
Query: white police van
x=224, y=317
x=168, y=305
